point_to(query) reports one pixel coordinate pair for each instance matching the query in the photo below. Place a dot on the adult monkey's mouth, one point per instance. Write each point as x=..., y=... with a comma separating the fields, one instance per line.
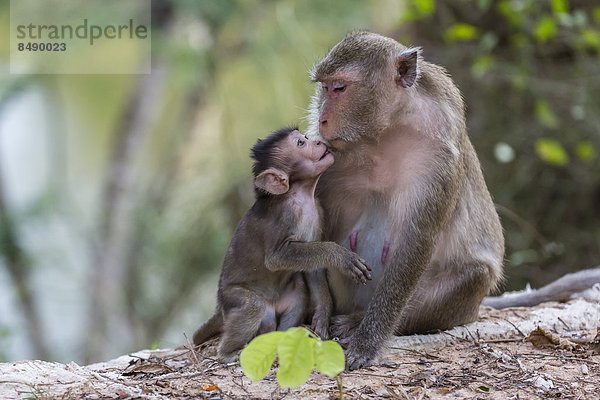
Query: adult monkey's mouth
x=337, y=144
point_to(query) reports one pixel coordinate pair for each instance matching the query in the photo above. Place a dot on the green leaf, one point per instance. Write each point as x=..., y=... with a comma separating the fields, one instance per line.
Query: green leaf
x=296, y=357
x=559, y=6
x=419, y=9
x=590, y=38
x=482, y=65
x=461, y=33
x=518, y=40
x=586, y=151
x=596, y=15
x=519, y=80
x=483, y=388
x=329, y=358
x=544, y=115
x=484, y=4
x=258, y=356
x=545, y=29
x=551, y=152
x=424, y=7
x=512, y=16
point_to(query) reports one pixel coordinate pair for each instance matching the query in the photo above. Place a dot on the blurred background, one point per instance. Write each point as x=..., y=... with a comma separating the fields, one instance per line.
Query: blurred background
x=119, y=193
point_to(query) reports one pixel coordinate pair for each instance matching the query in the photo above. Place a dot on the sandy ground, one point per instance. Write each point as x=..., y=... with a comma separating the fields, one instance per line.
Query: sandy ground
x=502, y=356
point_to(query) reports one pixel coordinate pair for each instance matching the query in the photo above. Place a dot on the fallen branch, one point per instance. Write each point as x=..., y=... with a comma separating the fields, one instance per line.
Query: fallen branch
x=487, y=356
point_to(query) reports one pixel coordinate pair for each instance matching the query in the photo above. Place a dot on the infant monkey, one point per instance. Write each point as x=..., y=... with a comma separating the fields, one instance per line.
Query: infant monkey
x=275, y=253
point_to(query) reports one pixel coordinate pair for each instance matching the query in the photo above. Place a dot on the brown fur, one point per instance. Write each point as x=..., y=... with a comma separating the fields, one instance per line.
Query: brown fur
x=407, y=187
x=275, y=250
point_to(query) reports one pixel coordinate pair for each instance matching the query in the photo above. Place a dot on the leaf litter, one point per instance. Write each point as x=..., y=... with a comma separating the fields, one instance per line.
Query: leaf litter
x=541, y=352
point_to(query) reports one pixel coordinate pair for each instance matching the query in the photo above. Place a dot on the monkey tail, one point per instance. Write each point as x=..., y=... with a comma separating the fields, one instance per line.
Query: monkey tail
x=209, y=329
x=560, y=290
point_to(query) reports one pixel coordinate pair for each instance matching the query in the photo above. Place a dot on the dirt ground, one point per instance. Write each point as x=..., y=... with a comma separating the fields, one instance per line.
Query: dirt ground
x=502, y=356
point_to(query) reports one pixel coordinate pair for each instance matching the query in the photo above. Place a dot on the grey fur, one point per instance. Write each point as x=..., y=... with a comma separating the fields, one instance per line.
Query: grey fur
x=408, y=180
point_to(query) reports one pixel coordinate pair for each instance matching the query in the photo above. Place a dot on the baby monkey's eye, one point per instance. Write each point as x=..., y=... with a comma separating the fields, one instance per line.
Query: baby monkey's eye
x=301, y=142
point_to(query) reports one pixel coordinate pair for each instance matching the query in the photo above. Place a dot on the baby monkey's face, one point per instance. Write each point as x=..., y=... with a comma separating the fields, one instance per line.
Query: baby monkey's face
x=310, y=158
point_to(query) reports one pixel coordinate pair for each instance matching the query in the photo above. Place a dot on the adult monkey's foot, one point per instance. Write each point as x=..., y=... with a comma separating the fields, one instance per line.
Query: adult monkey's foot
x=360, y=356
x=343, y=326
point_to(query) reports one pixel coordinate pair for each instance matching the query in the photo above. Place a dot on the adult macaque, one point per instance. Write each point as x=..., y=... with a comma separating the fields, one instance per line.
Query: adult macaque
x=406, y=193
x=262, y=287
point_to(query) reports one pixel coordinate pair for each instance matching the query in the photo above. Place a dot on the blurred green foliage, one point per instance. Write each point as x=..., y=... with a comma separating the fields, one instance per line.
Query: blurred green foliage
x=234, y=70
x=530, y=101
x=5, y=333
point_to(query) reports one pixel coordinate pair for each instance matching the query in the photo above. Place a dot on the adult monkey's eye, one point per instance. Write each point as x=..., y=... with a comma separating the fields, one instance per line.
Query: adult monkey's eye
x=301, y=142
x=338, y=86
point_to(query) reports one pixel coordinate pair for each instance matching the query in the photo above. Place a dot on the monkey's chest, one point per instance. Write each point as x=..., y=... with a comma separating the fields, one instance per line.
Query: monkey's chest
x=367, y=233
x=309, y=230
x=308, y=225
x=370, y=238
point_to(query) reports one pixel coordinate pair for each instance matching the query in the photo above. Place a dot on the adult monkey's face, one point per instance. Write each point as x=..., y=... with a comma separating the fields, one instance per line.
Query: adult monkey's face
x=356, y=82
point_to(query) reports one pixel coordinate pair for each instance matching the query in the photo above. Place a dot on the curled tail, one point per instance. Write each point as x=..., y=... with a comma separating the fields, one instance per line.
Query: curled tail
x=560, y=290
x=209, y=329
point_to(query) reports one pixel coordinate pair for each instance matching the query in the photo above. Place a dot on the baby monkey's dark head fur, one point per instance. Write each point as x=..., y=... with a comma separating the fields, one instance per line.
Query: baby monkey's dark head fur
x=286, y=157
x=265, y=152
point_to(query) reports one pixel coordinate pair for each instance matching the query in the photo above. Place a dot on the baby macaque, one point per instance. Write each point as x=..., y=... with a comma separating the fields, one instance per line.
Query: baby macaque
x=272, y=276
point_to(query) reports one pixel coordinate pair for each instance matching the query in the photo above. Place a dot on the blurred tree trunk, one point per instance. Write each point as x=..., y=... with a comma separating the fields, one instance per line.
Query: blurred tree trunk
x=18, y=267
x=108, y=322
x=157, y=198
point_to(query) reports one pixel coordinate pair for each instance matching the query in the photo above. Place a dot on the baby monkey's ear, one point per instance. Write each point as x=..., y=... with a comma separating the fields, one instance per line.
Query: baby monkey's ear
x=272, y=180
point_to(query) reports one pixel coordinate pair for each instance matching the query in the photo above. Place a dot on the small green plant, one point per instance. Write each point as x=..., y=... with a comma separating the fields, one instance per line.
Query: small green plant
x=299, y=352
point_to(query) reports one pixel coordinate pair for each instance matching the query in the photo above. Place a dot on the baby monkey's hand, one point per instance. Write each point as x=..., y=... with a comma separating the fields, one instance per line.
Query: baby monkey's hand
x=356, y=268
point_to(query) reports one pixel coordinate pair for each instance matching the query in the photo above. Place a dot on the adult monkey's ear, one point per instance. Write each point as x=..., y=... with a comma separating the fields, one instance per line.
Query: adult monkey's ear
x=273, y=180
x=407, y=66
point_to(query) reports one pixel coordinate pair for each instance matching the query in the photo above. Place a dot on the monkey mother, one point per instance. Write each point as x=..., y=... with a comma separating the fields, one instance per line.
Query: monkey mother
x=406, y=193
